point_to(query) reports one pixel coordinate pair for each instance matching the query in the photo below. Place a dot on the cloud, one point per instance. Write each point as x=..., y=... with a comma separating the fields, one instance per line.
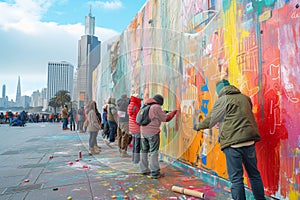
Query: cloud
x=110, y=5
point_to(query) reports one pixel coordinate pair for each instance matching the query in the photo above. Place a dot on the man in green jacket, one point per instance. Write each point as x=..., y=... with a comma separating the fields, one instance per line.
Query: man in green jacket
x=232, y=111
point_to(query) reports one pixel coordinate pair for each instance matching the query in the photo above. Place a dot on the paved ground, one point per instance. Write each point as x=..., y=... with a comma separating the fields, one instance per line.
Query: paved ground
x=28, y=171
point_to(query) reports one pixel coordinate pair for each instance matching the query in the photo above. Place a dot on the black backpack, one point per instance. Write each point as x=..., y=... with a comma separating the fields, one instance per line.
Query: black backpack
x=142, y=118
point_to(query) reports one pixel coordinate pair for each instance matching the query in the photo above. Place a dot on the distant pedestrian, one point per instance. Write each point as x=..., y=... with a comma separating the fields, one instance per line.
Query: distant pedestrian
x=65, y=116
x=72, y=115
x=123, y=129
x=112, y=120
x=23, y=117
x=93, y=127
x=151, y=137
x=105, y=126
x=134, y=128
x=2, y=118
x=81, y=119
x=232, y=111
x=10, y=117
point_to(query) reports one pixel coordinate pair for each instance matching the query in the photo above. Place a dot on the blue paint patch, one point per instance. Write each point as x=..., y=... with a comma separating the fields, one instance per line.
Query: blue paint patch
x=63, y=137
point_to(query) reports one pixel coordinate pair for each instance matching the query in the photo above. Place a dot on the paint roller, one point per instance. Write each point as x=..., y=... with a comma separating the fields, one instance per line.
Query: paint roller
x=188, y=192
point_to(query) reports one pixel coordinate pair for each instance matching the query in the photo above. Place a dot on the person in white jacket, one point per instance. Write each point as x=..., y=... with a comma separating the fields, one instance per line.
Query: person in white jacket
x=93, y=128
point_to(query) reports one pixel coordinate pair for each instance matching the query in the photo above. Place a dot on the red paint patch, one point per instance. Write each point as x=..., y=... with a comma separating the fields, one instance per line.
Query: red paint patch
x=26, y=181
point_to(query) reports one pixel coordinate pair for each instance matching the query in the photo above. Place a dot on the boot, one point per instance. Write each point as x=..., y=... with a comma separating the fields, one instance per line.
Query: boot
x=124, y=154
x=93, y=151
x=97, y=148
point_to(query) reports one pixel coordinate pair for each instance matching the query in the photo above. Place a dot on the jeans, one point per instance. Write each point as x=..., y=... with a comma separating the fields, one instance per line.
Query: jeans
x=150, y=147
x=93, y=139
x=136, y=138
x=235, y=159
x=65, y=123
x=112, y=130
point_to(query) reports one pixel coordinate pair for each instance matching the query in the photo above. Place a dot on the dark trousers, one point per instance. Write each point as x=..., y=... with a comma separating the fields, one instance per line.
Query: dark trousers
x=72, y=124
x=136, y=147
x=112, y=130
x=235, y=159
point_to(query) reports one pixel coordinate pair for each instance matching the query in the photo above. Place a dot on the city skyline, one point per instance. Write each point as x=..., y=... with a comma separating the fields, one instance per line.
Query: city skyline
x=33, y=34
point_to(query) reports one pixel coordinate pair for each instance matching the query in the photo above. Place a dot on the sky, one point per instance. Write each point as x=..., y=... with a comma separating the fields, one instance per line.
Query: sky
x=35, y=32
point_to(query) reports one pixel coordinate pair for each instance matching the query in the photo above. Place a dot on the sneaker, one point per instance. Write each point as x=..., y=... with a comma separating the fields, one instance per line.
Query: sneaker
x=145, y=173
x=124, y=154
x=156, y=176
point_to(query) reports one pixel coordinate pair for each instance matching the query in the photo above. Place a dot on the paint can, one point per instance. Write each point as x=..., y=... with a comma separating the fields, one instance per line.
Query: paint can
x=79, y=155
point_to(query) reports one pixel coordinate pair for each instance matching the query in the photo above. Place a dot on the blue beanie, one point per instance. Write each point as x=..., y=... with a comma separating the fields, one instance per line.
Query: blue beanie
x=221, y=84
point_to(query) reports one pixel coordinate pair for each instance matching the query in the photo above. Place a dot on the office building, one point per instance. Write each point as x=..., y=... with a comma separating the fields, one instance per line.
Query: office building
x=89, y=51
x=3, y=91
x=60, y=77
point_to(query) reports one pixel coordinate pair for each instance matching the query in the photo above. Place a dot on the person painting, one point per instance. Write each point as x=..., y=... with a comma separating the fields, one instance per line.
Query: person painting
x=232, y=111
x=151, y=137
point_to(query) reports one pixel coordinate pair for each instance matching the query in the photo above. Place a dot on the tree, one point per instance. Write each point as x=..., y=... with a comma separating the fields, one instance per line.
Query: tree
x=53, y=103
x=62, y=97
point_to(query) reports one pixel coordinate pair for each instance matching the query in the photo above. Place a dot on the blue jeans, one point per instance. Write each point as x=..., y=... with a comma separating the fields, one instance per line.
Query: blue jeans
x=150, y=146
x=136, y=138
x=235, y=159
x=65, y=123
x=112, y=130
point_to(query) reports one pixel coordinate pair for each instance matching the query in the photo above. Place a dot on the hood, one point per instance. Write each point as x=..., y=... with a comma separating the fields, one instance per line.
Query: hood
x=92, y=105
x=135, y=100
x=111, y=101
x=230, y=89
x=150, y=101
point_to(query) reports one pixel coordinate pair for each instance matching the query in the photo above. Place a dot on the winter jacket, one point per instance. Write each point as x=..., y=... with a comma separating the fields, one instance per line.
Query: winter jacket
x=93, y=121
x=233, y=112
x=112, y=113
x=156, y=115
x=133, y=109
x=64, y=113
x=122, y=105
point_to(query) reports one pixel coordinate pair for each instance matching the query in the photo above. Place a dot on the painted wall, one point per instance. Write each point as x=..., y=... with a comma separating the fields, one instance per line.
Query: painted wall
x=181, y=48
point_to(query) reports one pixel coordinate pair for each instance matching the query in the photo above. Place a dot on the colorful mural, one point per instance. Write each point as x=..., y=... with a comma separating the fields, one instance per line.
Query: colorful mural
x=181, y=48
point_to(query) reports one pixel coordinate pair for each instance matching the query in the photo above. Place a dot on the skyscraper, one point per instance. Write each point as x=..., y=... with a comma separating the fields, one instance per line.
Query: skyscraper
x=89, y=50
x=3, y=91
x=18, y=95
x=60, y=77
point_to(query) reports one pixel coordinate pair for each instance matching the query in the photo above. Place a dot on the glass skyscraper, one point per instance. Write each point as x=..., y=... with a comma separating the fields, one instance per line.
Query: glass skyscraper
x=60, y=77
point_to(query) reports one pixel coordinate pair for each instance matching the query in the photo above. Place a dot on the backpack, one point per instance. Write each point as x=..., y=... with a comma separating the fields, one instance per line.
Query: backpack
x=142, y=118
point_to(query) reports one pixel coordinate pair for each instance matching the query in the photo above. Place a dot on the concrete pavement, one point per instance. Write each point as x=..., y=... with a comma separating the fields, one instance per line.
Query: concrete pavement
x=39, y=162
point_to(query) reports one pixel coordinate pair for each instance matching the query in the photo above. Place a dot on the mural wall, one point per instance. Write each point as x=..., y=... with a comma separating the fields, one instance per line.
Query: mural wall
x=181, y=48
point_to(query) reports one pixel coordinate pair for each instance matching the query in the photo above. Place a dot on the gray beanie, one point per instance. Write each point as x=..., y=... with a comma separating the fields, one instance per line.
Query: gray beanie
x=159, y=99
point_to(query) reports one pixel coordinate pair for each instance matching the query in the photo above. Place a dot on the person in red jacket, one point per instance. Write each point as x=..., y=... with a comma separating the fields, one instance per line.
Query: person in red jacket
x=150, y=138
x=134, y=128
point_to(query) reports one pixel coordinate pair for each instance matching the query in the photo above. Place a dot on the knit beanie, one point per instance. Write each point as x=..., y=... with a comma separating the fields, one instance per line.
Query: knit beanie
x=221, y=84
x=159, y=99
